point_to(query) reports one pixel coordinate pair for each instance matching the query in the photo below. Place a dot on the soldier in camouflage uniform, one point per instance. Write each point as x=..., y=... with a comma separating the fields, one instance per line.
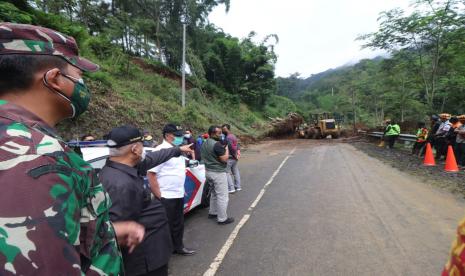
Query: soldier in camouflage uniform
x=54, y=216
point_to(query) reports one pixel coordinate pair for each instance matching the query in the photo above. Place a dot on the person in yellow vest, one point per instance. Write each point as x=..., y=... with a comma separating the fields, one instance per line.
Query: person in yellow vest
x=422, y=136
x=391, y=133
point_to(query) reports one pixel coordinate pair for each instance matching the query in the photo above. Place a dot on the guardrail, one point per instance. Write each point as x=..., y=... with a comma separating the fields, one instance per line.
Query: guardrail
x=402, y=137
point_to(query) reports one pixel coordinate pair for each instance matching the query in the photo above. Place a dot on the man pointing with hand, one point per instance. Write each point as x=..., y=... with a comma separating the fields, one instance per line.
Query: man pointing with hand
x=131, y=199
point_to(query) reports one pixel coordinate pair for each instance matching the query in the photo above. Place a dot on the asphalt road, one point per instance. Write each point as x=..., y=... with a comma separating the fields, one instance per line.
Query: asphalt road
x=330, y=210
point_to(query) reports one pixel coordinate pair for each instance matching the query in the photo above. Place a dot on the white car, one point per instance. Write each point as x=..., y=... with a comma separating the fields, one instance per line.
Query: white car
x=197, y=192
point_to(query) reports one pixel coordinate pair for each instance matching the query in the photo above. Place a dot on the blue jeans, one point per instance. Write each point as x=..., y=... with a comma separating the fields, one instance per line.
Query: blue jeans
x=234, y=177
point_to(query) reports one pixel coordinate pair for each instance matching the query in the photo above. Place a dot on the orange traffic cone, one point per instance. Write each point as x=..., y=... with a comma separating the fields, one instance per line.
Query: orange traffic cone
x=451, y=163
x=429, y=157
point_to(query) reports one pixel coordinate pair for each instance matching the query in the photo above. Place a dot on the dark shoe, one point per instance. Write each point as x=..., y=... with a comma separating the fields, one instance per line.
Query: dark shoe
x=210, y=216
x=184, y=252
x=227, y=221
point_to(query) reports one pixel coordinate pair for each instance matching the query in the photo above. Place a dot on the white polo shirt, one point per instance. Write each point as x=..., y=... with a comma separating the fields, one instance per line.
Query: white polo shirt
x=171, y=174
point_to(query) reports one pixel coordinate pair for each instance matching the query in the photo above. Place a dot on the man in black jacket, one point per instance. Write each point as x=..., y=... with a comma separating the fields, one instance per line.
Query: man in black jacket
x=435, y=124
x=122, y=177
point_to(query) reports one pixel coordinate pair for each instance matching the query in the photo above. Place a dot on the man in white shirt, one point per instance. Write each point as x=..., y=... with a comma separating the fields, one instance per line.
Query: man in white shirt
x=167, y=183
x=440, y=136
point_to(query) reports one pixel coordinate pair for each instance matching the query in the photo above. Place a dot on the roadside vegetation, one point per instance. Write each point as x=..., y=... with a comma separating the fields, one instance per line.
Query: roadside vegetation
x=422, y=74
x=139, y=47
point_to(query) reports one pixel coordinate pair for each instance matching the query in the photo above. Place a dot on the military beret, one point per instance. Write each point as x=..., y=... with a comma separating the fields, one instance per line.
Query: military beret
x=35, y=40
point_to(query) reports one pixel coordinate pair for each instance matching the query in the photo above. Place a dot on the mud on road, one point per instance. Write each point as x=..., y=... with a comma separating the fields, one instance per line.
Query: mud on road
x=401, y=159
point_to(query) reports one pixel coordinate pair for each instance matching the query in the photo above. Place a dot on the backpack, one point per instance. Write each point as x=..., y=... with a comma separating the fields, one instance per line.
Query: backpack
x=199, y=142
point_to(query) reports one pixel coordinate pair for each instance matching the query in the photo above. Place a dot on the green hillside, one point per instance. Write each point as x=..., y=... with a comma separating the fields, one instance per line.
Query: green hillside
x=422, y=74
x=148, y=100
x=138, y=45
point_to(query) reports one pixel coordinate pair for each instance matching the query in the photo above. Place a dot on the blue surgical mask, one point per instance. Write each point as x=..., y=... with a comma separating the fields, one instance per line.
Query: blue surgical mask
x=178, y=141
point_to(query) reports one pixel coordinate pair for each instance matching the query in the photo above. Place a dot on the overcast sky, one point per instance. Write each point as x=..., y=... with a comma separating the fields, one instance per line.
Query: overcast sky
x=314, y=35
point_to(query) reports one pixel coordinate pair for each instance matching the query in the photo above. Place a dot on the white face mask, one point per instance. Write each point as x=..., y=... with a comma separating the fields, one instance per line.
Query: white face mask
x=187, y=136
x=144, y=154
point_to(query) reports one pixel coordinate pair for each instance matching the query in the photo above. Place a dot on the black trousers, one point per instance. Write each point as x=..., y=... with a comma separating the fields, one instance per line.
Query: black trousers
x=460, y=154
x=162, y=271
x=417, y=147
x=441, y=147
x=175, y=212
x=391, y=139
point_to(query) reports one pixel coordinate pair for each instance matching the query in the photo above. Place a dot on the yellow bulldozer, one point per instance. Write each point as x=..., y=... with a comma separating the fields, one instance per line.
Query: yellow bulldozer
x=321, y=126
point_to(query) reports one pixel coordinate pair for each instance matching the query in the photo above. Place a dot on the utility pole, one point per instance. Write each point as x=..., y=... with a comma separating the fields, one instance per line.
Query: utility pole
x=354, y=111
x=183, y=85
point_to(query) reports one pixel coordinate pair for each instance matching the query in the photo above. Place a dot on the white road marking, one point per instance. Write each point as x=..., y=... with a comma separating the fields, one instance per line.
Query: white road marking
x=229, y=242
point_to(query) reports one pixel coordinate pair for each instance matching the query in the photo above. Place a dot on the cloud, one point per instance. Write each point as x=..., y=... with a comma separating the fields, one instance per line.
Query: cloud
x=314, y=35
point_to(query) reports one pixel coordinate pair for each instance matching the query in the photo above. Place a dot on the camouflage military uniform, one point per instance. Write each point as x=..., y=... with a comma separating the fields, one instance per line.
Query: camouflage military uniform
x=53, y=210
x=29, y=39
x=54, y=216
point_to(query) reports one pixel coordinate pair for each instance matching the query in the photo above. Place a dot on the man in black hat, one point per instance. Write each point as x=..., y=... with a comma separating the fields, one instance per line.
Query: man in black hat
x=167, y=181
x=122, y=176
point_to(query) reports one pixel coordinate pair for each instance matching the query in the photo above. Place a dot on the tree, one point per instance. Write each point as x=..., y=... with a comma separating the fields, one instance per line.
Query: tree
x=424, y=32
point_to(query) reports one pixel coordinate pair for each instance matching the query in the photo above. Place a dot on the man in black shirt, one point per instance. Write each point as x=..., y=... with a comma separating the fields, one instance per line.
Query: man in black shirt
x=435, y=124
x=122, y=177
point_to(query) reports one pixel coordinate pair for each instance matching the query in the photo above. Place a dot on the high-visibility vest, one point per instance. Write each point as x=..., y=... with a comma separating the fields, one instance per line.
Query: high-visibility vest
x=392, y=130
x=422, y=134
x=396, y=128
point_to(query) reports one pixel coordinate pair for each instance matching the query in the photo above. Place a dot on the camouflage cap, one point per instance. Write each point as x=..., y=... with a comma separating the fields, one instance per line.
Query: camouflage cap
x=35, y=40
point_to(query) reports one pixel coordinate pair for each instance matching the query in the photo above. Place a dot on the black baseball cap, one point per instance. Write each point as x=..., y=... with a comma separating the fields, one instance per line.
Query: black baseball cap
x=172, y=128
x=124, y=135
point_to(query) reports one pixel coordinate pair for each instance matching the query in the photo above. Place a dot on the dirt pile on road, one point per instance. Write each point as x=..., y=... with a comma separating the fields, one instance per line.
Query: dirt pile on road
x=285, y=126
x=412, y=164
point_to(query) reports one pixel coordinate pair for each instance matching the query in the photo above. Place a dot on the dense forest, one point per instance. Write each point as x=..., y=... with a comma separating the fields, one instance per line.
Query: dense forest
x=139, y=43
x=423, y=72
